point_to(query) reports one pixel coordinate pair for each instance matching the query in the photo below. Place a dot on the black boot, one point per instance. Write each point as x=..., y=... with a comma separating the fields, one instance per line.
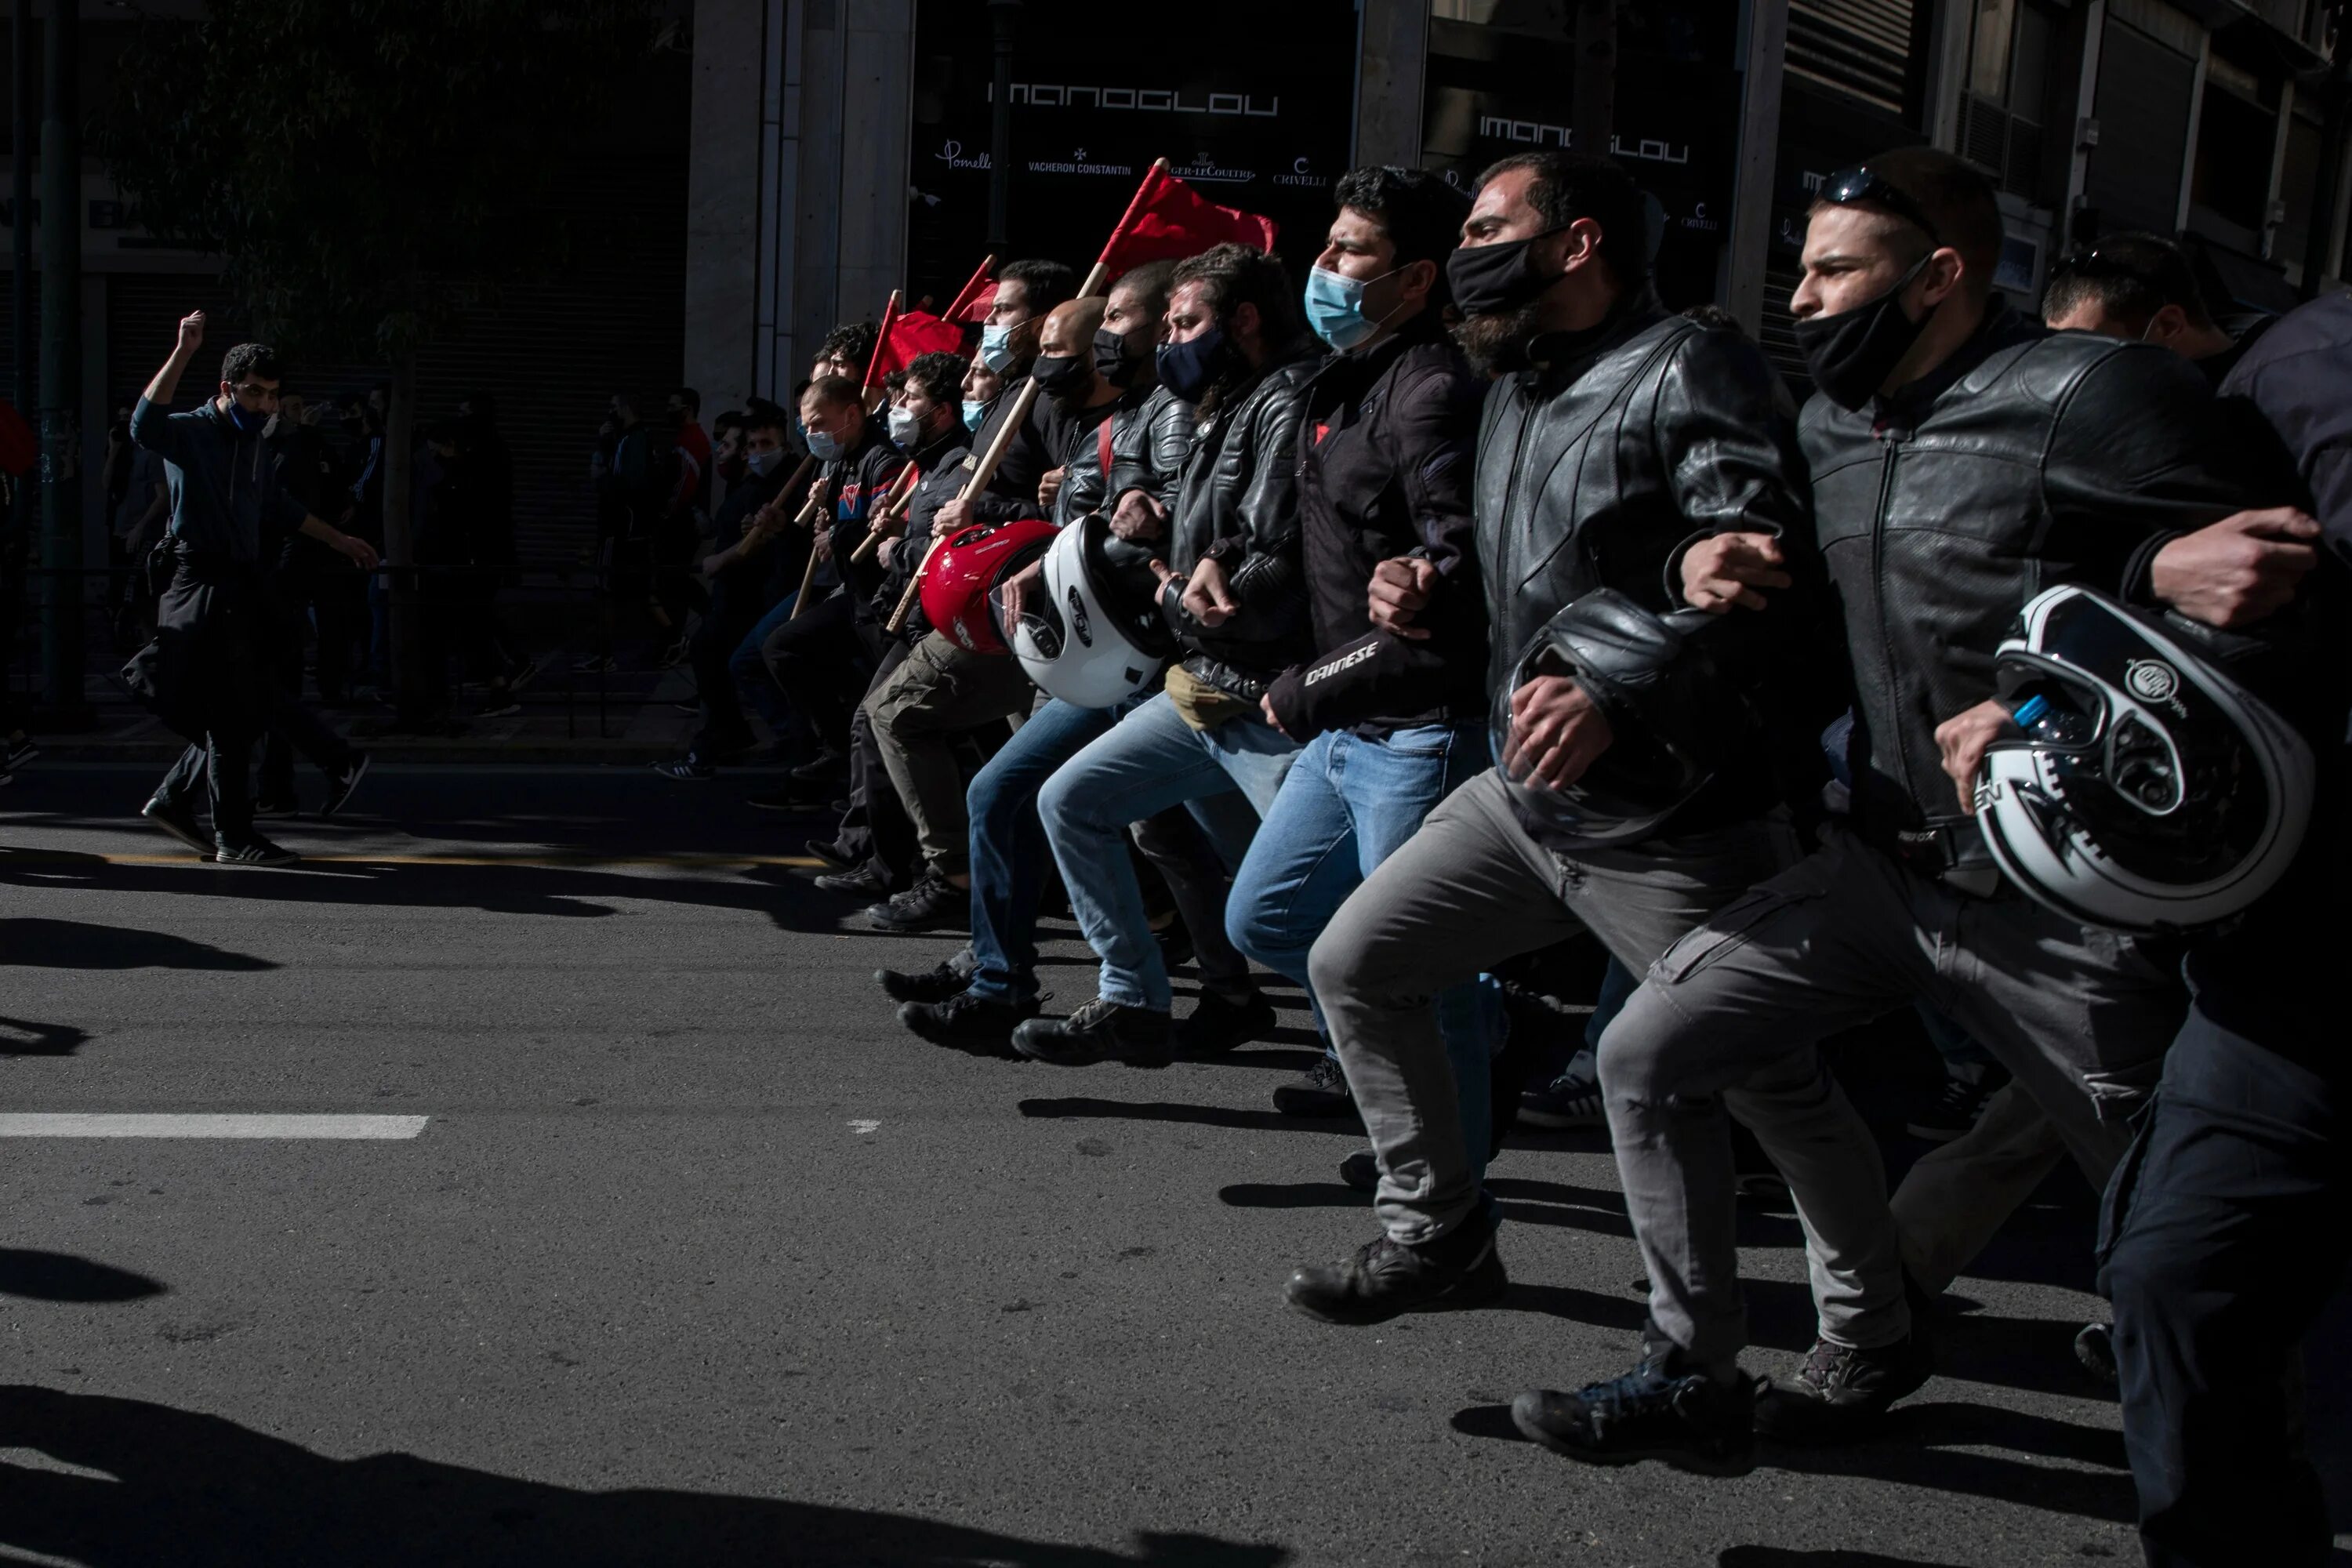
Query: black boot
x=1098, y=1031
x=968, y=1023
x=1384, y=1278
x=1657, y=1411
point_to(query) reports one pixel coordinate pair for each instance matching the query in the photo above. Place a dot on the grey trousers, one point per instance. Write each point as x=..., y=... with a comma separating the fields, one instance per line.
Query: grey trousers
x=2080, y=1016
x=1470, y=889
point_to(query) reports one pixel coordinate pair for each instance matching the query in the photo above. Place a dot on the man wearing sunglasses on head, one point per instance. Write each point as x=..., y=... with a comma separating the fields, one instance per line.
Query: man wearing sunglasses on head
x=1963, y=459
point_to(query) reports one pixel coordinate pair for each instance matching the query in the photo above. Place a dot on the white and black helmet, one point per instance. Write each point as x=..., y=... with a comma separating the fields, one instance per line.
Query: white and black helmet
x=1092, y=634
x=2150, y=792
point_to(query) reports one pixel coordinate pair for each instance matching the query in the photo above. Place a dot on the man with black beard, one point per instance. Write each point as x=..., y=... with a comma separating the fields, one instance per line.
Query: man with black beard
x=1615, y=435
x=1963, y=459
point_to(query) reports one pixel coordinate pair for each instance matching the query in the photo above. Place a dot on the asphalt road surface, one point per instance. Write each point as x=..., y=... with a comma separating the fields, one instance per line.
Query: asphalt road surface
x=694, y=1258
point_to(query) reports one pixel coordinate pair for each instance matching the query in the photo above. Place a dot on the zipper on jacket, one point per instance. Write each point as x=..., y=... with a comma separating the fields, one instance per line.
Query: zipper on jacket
x=1878, y=584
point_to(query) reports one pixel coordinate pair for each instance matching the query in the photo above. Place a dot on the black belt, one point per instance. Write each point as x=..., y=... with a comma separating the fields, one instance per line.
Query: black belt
x=1944, y=855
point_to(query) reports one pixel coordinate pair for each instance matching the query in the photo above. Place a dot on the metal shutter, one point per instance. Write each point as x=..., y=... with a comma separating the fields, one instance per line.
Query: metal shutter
x=1860, y=48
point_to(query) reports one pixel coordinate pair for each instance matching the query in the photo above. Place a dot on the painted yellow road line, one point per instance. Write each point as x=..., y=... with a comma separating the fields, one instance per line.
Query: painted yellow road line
x=9, y=856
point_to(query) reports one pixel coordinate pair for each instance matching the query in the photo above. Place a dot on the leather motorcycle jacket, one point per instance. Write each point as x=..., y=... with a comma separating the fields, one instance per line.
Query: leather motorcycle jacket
x=1237, y=503
x=2029, y=459
x=1598, y=465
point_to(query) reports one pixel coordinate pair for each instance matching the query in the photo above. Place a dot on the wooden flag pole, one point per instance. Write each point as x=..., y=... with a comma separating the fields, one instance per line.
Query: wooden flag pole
x=807, y=519
x=1022, y=404
x=971, y=286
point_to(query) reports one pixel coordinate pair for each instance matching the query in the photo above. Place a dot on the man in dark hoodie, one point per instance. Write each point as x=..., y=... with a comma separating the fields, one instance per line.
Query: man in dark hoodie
x=1233, y=589
x=203, y=673
x=1390, y=723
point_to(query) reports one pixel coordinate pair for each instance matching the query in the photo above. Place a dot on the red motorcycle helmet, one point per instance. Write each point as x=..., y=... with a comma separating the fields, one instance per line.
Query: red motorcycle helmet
x=961, y=574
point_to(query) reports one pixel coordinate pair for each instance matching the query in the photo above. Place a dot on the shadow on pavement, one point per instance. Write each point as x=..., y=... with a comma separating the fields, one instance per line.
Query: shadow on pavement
x=198, y=1491
x=1083, y=1108
x=24, y=1037
x=37, y=944
x=1781, y=1557
x=61, y=1276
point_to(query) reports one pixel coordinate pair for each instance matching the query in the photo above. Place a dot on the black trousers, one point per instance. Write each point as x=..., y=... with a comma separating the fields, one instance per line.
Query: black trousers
x=2224, y=1235
x=877, y=830
x=711, y=651
x=822, y=665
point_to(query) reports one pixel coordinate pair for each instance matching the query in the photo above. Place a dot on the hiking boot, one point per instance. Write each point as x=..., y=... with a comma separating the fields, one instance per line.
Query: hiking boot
x=1571, y=1100
x=1688, y=1421
x=1957, y=1107
x=936, y=984
x=1841, y=1393
x=864, y=882
x=1386, y=1278
x=254, y=851
x=1361, y=1171
x=178, y=818
x=1321, y=1090
x=341, y=786
x=967, y=1022
x=1098, y=1031
x=1219, y=1024
x=933, y=903
x=692, y=766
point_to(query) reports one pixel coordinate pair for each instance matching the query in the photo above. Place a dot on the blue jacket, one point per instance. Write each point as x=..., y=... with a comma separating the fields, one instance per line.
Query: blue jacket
x=225, y=486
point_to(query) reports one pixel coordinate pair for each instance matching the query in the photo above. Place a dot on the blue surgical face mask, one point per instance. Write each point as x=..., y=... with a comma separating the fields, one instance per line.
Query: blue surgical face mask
x=905, y=429
x=974, y=413
x=245, y=419
x=1190, y=368
x=825, y=449
x=1335, y=307
x=996, y=350
x=764, y=463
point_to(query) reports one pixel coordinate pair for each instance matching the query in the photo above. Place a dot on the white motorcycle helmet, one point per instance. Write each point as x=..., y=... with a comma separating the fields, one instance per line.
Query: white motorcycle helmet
x=1092, y=634
x=2150, y=792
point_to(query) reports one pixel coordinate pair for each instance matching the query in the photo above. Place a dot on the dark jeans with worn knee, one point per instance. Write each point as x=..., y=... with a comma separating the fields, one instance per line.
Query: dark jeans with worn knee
x=2224, y=1237
x=820, y=662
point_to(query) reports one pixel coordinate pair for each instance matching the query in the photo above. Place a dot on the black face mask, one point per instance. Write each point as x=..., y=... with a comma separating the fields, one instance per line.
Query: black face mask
x=1190, y=368
x=1060, y=375
x=1112, y=361
x=1851, y=354
x=1494, y=279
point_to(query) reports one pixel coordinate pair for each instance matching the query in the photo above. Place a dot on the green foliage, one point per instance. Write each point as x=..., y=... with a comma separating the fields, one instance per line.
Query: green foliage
x=368, y=168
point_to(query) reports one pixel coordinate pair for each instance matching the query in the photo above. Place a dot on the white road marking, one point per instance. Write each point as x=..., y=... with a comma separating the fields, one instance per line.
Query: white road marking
x=204, y=1124
x=864, y=1126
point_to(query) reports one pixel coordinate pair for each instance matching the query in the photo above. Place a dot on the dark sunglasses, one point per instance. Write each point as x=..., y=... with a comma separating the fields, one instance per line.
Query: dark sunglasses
x=1848, y=187
x=2168, y=276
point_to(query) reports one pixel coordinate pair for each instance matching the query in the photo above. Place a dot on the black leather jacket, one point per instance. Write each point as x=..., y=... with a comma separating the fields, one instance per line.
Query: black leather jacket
x=2028, y=459
x=1598, y=465
x=1237, y=503
x=1385, y=467
x=1151, y=430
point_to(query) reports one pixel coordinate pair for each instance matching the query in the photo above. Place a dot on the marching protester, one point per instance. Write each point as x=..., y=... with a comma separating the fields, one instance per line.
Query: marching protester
x=1231, y=587
x=1935, y=534
x=204, y=674
x=1390, y=723
x=1616, y=433
x=2225, y=1233
x=875, y=851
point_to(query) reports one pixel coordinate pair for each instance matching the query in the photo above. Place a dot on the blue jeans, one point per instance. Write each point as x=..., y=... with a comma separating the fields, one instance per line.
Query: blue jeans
x=1008, y=845
x=1347, y=804
x=1150, y=761
x=750, y=669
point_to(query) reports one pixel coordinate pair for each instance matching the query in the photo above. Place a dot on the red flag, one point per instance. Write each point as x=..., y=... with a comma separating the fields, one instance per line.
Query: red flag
x=976, y=305
x=910, y=335
x=1169, y=220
